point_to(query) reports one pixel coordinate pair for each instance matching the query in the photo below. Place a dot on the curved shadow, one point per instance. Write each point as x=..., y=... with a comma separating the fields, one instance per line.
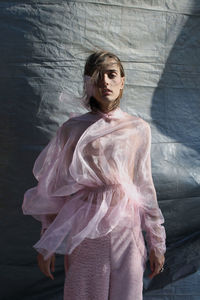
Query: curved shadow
x=175, y=116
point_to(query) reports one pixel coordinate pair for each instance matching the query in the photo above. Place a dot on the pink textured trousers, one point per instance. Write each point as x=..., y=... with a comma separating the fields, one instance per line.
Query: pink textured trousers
x=106, y=268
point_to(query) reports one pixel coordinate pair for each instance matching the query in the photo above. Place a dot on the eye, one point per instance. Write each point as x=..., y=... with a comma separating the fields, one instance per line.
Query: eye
x=112, y=75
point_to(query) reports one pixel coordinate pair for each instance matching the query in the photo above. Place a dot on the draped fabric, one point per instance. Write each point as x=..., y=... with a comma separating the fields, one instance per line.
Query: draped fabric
x=93, y=175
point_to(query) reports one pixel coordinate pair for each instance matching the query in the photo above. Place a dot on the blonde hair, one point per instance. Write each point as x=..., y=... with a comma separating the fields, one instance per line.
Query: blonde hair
x=93, y=71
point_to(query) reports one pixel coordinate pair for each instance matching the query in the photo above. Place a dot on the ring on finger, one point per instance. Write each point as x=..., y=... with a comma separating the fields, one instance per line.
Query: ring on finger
x=162, y=269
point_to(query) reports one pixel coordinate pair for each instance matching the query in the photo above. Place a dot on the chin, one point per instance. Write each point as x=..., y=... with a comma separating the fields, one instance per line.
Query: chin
x=105, y=99
x=109, y=99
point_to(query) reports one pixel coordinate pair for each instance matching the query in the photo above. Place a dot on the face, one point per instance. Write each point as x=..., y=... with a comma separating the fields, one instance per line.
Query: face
x=110, y=84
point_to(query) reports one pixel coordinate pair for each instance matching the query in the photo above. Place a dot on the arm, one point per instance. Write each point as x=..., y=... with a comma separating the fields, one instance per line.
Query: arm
x=45, y=200
x=46, y=266
x=151, y=216
x=46, y=220
x=39, y=201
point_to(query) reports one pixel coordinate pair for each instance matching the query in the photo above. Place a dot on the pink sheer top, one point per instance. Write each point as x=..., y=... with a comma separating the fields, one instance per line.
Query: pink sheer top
x=94, y=174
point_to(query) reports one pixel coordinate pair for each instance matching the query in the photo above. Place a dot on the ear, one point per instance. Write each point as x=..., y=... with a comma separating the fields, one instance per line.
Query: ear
x=122, y=82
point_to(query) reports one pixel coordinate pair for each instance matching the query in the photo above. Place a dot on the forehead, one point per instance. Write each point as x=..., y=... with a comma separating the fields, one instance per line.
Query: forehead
x=110, y=65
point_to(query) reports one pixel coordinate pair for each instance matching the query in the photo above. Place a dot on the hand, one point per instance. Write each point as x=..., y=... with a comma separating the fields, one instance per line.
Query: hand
x=156, y=263
x=46, y=266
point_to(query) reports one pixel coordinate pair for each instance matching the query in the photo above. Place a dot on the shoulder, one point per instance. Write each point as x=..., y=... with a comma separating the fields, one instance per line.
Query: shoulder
x=75, y=126
x=144, y=129
x=76, y=120
x=144, y=125
x=138, y=122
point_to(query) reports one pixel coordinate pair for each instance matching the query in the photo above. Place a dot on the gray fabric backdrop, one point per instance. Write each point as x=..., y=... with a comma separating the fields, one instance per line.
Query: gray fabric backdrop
x=43, y=46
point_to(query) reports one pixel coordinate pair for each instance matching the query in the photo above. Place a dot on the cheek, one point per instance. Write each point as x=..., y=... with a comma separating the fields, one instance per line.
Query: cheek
x=95, y=91
x=117, y=83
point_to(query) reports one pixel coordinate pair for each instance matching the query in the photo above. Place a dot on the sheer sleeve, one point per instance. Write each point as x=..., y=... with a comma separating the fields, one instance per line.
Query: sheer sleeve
x=151, y=216
x=39, y=201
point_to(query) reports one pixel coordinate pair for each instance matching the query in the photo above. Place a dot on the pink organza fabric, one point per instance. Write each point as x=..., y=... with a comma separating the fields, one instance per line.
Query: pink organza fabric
x=107, y=268
x=94, y=175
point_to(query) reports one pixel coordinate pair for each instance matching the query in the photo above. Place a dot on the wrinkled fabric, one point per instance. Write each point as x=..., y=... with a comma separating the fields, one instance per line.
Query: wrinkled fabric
x=94, y=175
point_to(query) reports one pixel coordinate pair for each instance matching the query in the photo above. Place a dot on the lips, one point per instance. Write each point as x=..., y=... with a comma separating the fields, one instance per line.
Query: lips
x=106, y=91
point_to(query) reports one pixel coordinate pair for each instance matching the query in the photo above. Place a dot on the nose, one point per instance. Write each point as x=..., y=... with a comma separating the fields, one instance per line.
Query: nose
x=105, y=79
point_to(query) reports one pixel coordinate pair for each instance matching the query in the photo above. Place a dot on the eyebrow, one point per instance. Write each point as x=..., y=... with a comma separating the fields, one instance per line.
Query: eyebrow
x=111, y=70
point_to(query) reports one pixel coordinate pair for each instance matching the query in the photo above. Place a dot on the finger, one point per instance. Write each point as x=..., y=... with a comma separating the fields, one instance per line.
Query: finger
x=152, y=270
x=44, y=266
x=66, y=262
x=151, y=275
x=156, y=269
x=152, y=265
x=40, y=264
x=47, y=269
x=53, y=263
x=155, y=272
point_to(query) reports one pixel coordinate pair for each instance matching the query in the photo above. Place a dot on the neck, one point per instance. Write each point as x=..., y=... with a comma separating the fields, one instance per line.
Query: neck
x=107, y=107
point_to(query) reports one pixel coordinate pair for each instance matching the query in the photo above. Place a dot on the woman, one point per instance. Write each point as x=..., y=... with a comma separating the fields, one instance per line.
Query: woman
x=95, y=194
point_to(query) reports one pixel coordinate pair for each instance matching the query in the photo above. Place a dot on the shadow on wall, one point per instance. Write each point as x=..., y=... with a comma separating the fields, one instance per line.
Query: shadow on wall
x=175, y=114
x=175, y=110
x=176, y=105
